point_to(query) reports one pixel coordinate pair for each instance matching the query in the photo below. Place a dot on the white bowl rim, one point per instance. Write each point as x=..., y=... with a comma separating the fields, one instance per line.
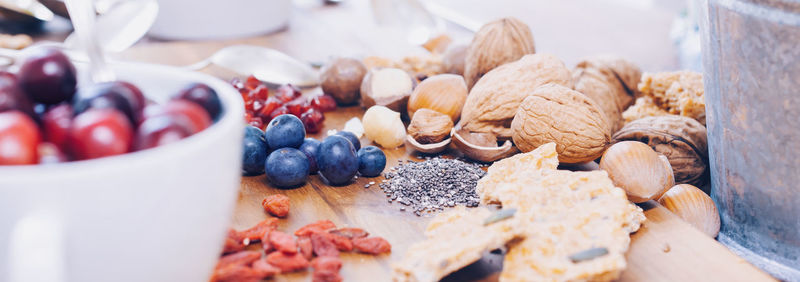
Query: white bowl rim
x=232, y=115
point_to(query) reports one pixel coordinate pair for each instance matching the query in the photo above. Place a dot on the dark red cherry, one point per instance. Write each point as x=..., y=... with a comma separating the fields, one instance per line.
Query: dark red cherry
x=47, y=76
x=204, y=96
x=55, y=125
x=161, y=130
x=121, y=96
x=194, y=113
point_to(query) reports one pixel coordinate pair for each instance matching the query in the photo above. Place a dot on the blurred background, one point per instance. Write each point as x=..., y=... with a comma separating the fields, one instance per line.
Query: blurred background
x=656, y=34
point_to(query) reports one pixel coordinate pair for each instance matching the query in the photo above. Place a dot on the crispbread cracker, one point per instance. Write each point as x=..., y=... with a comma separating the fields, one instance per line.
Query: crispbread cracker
x=568, y=212
x=510, y=169
x=455, y=239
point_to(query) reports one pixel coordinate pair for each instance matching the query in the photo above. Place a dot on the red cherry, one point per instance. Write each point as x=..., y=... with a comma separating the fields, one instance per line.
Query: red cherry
x=279, y=111
x=323, y=103
x=19, y=137
x=55, y=125
x=161, y=130
x=12, y=97
x=50, y=154
x=288, y=92
x=298, y=106
x=195, y=113
x=313, y=120
x=98, y=133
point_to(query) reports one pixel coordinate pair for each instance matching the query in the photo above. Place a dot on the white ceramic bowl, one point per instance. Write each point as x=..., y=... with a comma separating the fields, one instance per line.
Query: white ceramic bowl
x=155, y=215
x=214, y=19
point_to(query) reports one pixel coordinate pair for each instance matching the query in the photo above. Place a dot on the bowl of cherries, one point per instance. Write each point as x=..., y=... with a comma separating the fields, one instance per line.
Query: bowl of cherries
x=134, y=178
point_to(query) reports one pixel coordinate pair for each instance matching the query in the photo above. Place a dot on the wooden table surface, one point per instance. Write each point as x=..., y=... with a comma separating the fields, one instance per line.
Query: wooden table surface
x=664, y=249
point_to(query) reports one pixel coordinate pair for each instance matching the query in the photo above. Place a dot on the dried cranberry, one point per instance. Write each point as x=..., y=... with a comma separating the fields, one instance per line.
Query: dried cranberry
x=260, y=93
x=323, y=103
x=265, y=269
x=318, y=226
x=252, y=82
x=323, y=244
x=372, y=245
x=350, y=232
x=304, y=244
x=287, y=262
x=282, y=242
x=288, y=92
x=298, y=106
x=282, y=110
x=313, y=120
x=238, y=258
x=269, y=106
x=276, y=205
x=256, y=232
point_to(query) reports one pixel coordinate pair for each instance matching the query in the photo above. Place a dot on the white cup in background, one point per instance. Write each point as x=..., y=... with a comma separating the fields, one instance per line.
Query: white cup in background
x=217, y=19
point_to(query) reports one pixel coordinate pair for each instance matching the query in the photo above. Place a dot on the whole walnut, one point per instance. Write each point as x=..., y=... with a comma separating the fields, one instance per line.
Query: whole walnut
x=554, y=113
x=681, y=139
x=496, y=43
x=494, y=100
x=611, y=82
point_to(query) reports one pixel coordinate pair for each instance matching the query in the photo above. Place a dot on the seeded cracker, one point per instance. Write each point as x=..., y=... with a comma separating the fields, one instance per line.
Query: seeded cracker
x=567, y=213
x=455, y=239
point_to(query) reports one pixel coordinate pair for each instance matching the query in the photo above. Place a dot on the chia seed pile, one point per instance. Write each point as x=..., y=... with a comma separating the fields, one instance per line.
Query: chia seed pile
x=431, y=185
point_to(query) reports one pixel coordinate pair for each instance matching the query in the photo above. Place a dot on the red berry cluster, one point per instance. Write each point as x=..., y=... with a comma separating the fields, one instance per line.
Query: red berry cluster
x=261, y=108
x=44, y=118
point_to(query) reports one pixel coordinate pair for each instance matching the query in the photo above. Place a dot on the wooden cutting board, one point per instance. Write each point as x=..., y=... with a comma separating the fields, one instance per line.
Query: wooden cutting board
x=664, y=249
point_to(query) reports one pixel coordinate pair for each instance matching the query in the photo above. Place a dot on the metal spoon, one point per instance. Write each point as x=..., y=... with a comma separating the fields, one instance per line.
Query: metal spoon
x=83, y=20
x=120, y=24
x=268, y=65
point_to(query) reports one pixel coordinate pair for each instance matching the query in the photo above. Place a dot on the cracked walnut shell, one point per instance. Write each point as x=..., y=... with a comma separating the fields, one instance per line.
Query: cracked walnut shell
x=554, y=113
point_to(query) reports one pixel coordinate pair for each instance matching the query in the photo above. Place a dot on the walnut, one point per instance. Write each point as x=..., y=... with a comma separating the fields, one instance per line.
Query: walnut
x=494, y=100
x=496, y=43
x=554, y=113
x=681, y=139
x=609, y=81
x=429, y=126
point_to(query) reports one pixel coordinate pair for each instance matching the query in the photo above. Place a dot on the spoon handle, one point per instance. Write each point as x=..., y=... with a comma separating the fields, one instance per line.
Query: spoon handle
x=82, y=14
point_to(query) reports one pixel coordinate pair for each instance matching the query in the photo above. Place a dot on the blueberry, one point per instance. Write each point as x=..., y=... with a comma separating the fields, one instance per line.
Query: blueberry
x=285, y=131
x=310, y=147
x=337, y=161
x=371, y=161
x=287, y=167
x=350, y=137
x=255, y=151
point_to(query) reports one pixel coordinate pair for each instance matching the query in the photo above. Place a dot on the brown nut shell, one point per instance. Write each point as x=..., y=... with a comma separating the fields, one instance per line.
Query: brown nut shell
x=554, y=113
x=693, y=206
x=637, y=169
x=429, y=126
x=444, y=93
x=494, y=100
x=389, y=87
x=604, y=89
x=681, y=139
x=496, y=43
x=341, y=78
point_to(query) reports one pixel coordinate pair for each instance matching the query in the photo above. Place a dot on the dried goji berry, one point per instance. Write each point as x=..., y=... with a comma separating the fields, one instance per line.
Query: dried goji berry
x=282, y=242
x=372, y=245
x=240, y=258
x=231, y=246
x=342, y=243
x=323, y=245
x=277, y=205
x=287, y=262
x=325, y=276
x=266, y=269
x=327, y=264
x=255, y=233
x=318, y=226
x=236, y=273
x=268, y=248
x=350, y=232
x=304, y=243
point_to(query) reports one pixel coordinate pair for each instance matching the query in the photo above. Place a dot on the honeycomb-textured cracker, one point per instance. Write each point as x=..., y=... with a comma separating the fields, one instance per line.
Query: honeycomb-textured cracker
x=679, y=93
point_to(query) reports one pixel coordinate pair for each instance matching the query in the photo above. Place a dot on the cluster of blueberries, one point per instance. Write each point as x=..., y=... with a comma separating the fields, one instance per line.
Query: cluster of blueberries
x=287, y=157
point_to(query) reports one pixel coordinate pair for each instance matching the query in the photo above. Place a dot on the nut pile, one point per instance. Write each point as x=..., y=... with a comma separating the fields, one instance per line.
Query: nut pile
x=433, y=184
